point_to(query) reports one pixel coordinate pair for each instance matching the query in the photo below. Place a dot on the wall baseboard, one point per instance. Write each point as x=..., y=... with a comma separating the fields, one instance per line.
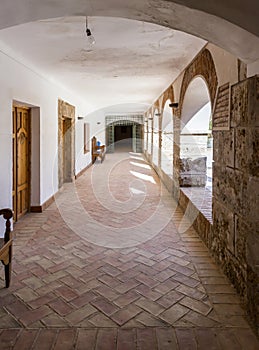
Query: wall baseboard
x=81, y=172
x=36, y=209
x=45, y=205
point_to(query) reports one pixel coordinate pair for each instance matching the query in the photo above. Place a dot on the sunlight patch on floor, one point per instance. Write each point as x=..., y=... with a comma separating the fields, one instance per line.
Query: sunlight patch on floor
x=146, y=166
x=143, y=176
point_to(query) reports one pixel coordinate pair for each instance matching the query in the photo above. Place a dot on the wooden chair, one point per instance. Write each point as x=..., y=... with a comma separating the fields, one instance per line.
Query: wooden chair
x=6, y=246
x=97, y=151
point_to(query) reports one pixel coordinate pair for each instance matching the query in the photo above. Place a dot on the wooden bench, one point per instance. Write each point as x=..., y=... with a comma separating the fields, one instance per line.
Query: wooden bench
x=6, y=246
x=97, y=151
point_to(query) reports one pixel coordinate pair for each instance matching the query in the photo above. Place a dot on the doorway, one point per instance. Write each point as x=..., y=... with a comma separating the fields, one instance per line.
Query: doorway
x=66, y=150
x=21, y=161
x=123, y=138
x=66, y=140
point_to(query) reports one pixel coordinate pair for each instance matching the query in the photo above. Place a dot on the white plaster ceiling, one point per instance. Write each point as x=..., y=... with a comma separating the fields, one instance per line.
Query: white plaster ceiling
x=132, y=62
x=230, y=24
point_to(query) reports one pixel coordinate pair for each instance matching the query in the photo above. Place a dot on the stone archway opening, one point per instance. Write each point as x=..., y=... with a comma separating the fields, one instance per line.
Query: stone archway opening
x=156, y=136
x=196, y=147
x=124, y=133
x=196, y=136
x=149, y=135
x=167, y=140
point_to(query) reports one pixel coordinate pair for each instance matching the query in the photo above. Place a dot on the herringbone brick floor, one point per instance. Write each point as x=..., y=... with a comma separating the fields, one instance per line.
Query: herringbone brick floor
x=114, y=264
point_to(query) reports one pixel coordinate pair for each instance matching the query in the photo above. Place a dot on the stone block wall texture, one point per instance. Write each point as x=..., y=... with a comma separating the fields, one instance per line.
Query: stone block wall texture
x=233, y=238
x=235, y=235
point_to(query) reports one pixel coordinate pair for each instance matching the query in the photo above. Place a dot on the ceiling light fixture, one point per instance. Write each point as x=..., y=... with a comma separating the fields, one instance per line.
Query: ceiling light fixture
x=90, y=37
x=174, y=105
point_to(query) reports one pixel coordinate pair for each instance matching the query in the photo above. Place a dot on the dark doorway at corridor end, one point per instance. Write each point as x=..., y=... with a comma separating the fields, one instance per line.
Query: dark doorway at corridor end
x=123, y=138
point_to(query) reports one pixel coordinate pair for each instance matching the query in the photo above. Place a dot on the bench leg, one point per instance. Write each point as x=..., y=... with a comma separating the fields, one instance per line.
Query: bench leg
x=7, y=270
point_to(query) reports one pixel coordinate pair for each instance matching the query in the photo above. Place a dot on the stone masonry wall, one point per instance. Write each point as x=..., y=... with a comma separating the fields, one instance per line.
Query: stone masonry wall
x=235, y=236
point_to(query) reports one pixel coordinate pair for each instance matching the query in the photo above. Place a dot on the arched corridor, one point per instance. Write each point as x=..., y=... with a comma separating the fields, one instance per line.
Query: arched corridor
x=129, y=146
x=119, y=286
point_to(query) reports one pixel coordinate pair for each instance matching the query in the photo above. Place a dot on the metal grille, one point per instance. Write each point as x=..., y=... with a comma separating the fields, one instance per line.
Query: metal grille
x=124, y=119
x=137, y=124
x=139, y=140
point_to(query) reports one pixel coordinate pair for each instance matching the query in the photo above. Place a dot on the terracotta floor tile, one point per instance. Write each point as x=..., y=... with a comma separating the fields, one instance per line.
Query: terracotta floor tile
x=26, y=339
x=166, y=339
x=45, y=339
x=186, y=339
x=65, y=340
x=174, y=313
x=106, y=340
x=80, y=314
x=104, y=306
x=127, y=313
x=86, y=336
x=60, y=306
x=119, y=279
x=146, y=339
x=126, y=339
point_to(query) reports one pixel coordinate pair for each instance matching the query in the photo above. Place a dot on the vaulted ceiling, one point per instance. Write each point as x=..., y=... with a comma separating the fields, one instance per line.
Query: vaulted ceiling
x=141, y=45
x=131, y=62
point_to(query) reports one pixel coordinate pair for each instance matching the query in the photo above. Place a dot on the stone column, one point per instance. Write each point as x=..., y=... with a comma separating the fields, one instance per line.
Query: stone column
x=176, y=152
x=160, y=141
x=235, y=239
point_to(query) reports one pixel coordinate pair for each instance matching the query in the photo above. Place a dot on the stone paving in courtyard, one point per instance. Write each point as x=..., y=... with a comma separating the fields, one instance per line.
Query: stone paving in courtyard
x=114, y=264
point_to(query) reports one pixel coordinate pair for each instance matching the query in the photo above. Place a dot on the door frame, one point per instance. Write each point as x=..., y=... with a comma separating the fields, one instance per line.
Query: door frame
x=66, y=111
x=110, y=134
x=15, y=164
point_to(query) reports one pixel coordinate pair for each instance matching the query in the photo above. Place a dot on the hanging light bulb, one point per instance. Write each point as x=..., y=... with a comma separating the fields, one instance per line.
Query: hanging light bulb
x=90, y=37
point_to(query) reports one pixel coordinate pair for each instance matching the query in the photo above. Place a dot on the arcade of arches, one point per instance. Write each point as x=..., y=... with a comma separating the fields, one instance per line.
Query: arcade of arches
x=200, y=138
x=222, y=219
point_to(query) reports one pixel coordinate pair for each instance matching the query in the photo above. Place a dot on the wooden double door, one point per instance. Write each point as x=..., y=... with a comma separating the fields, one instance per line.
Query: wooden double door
x=21, y=161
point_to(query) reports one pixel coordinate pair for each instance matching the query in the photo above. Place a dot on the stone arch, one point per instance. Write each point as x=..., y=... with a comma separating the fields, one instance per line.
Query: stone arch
x=196, y=97
x=167, y=144
x=136, y=123
x=156, y=133
x=167, y=95
x=156, y=106
x=149, y=131
x=203, y=66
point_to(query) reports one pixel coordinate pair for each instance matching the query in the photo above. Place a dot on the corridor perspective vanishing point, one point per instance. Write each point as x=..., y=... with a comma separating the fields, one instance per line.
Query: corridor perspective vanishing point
x=129, y=163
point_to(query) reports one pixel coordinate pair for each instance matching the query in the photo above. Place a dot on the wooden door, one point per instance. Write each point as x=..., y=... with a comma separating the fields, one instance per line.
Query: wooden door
x=21, y=161
x=66, y=149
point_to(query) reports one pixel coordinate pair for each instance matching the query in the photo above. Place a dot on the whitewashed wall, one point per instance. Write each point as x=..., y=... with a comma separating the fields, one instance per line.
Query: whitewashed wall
x=253, y=68
x=20, y=83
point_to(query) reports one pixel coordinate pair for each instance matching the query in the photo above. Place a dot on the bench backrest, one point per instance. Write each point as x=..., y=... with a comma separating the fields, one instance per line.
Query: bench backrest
x=7, y=214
